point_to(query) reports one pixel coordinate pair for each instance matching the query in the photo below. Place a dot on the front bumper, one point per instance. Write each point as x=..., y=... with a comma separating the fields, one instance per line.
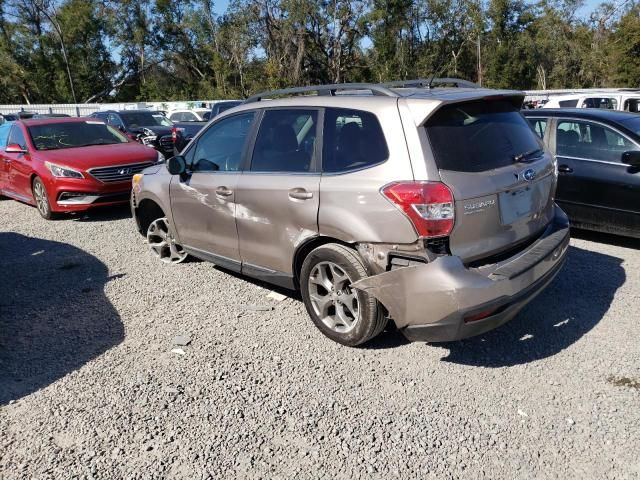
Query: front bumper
x=72, y=195
x=446, y=301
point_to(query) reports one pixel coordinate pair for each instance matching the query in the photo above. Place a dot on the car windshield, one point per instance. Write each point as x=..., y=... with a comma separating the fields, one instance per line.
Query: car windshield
x=632, y=123
x=56, y=136
x=162, y=118
x=145, y=119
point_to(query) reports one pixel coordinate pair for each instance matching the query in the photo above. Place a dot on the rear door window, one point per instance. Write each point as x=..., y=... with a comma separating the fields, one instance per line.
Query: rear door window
x=539, y=125
x=285, y=141
x=352, y=140
x=632, y=105
x=479, y=136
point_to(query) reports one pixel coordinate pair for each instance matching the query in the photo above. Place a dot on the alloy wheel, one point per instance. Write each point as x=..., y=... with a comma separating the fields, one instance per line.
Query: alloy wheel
x=332, y=298
x=162, y=243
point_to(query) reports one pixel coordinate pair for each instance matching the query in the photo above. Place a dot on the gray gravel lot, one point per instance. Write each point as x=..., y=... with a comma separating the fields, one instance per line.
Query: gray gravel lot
x=90, y=388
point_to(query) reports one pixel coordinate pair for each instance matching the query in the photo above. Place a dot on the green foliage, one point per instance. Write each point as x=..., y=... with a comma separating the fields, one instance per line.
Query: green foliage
x=625, y=45
x=125, y=50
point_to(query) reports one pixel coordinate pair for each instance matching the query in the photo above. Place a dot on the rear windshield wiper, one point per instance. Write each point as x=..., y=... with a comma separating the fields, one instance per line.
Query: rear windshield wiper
x=527, y=155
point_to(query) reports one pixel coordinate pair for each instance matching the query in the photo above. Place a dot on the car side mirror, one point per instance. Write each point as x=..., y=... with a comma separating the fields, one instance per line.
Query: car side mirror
x=176, y=165
x=14, y=148
x=631, y=158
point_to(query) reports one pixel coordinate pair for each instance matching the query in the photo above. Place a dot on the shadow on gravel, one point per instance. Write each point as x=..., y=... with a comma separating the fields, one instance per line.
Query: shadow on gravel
x=54, y=316
x=566, y=310
x=390, y=338
x=102, y=214
x=293, y=294
x=608, y=238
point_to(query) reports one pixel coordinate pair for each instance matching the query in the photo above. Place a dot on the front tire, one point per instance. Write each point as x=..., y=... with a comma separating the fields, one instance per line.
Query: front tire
x=41, y=197
x=348, y=316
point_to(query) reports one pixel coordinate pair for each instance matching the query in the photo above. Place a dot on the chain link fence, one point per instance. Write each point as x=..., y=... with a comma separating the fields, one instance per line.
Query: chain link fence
x=85, y=109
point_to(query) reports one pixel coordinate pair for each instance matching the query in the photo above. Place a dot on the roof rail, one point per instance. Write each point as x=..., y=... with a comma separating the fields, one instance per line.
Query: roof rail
x=425, y=82
x=331, y=90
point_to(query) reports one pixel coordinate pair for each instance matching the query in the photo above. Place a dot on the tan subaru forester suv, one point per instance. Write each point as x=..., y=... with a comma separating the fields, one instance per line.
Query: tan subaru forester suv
x=432, y=207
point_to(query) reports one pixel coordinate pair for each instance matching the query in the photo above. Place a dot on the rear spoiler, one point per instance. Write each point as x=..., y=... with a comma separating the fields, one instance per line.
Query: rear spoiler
x=423, y=107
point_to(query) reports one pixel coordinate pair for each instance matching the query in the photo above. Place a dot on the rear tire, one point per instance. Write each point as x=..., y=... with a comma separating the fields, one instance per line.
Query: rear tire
x=345, y=315
x=41, y=197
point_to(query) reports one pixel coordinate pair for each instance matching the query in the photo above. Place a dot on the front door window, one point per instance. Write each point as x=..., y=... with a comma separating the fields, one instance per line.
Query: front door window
x=589, y=140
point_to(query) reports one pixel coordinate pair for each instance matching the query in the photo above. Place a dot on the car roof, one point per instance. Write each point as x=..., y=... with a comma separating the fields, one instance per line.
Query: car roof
x=347, y=98
x=586, y=113
x=48, y=121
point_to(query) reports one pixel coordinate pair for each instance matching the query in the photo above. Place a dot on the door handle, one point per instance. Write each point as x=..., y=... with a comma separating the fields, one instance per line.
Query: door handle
x=223, y=191
x=300, y=194
x=565, y=169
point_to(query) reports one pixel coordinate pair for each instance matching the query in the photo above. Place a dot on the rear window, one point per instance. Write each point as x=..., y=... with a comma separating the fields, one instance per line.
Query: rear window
x=568, y=103
x=479, y=136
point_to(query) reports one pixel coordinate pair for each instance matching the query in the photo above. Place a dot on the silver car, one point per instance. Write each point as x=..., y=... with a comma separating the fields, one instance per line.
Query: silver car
x=432, y=207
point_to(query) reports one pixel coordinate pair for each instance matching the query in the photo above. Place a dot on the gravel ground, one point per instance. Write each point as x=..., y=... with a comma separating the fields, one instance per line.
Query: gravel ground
x=90, y=387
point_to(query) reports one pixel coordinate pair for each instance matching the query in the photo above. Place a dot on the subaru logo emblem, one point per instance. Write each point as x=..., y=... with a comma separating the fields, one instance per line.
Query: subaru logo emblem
x=529, y=174
x=124, y=171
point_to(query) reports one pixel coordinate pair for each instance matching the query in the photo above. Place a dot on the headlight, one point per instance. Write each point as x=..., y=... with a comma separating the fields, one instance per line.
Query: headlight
x=135, y=182
x=161, y=158
x=64, y=172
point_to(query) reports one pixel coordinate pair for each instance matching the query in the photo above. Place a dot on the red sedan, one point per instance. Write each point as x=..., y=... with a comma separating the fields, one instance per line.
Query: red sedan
x=70, y=164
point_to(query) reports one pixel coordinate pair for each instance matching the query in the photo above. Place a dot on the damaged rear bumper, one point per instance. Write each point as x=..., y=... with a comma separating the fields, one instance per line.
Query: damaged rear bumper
x=444, y=300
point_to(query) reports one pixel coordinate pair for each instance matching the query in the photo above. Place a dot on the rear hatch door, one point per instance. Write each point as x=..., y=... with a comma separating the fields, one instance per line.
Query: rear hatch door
x=502, y=179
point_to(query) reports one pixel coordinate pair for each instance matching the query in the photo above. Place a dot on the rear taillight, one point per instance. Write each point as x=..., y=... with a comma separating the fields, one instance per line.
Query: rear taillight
x=174, y=134
x=429, y=206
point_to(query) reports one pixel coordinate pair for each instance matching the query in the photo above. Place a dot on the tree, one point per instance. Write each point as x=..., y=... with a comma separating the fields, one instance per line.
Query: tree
x=624, y=46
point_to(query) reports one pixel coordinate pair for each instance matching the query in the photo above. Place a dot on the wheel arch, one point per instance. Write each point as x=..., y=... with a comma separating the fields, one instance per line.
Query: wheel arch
x=307, y=247
x=147, y=211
